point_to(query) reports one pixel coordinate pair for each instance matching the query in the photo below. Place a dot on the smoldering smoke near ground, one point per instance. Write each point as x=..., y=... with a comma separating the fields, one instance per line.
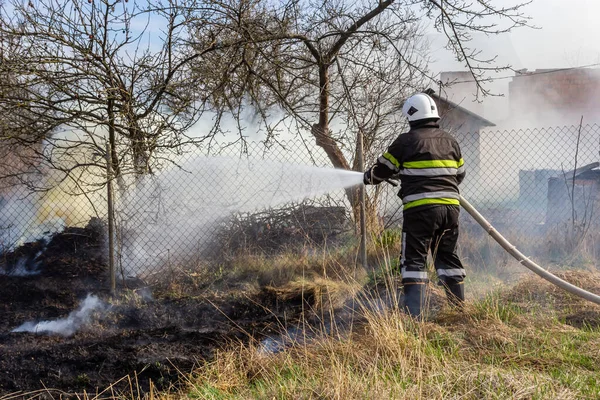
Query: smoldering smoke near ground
x=69, y=325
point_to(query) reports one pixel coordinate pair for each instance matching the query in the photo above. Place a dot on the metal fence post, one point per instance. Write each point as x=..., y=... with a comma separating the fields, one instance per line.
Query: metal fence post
x=111, y=228
x=362, y=197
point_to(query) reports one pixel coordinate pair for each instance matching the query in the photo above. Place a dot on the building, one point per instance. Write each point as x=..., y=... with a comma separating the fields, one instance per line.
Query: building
x=533, y=187
x=466, y=126
x=549, y=97
x=574, y=197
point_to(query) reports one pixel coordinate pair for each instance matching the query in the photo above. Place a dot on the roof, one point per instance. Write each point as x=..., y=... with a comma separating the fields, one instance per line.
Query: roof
x=587, y=172
x=453, y=106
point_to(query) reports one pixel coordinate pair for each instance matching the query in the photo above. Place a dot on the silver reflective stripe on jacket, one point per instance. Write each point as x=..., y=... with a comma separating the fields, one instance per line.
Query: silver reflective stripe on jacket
x=430, y=195
x=430, y=171
x=387, y=163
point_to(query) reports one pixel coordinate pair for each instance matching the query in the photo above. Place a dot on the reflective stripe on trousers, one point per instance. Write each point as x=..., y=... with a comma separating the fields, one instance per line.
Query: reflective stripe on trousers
x=435, y=230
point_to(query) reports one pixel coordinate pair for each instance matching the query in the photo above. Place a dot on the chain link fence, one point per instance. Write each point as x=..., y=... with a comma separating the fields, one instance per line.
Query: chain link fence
x=205, y=207
x=211, y=208
x=540, y=188
x=522, y=176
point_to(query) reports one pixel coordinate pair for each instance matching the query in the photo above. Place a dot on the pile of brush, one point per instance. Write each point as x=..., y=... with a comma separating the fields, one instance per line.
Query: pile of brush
x=277, y=229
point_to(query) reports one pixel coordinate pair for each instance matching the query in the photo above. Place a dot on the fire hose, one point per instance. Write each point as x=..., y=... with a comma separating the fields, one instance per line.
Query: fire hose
x=520, y=257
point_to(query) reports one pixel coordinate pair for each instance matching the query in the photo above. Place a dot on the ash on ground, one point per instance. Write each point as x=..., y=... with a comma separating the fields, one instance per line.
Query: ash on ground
x=154, y=338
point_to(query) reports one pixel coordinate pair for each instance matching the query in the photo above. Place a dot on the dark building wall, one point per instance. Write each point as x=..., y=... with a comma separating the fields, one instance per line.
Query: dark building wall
x=581, y=198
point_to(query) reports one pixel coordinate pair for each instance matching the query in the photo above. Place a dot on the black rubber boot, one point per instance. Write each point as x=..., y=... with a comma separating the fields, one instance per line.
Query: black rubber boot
x=414, y=298
x=455, y=292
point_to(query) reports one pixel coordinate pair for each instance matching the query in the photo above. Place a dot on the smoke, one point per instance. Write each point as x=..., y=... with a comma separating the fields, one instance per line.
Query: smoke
x=18, y=226
x=294, y=336
x=24, y=266
x=14, y=225
x=174, y=214
x=44, y=201
x=69, y=325
x=27, y=217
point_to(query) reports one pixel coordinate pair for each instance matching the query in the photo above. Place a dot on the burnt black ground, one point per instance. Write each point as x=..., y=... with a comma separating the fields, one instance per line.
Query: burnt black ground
x=156, y=339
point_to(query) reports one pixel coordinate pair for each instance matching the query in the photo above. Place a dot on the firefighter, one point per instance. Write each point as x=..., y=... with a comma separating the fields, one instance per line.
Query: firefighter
x=429, y=164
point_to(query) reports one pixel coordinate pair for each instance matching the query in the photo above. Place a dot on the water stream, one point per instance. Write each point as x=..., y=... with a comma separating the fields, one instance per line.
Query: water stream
x=173, y=214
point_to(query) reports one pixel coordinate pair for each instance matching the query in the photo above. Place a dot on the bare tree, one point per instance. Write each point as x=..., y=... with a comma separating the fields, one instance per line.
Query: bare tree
x=92, y=71
x=17, y=120
x=288, y=79
x=346, y=65
x=458, y=20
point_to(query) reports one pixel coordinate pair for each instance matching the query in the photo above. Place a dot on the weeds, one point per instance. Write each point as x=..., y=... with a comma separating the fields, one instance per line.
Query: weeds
x=523, y=341
x=519, y=337
x=503, y=346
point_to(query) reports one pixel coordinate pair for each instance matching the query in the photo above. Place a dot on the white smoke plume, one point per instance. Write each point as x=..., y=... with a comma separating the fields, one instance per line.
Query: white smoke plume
x=18, y=220
x=24, y=267
x=69, y=325
x=173, y=214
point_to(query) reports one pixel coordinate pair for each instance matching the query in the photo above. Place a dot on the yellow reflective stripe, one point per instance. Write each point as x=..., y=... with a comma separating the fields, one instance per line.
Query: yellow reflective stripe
x=391, y=159
x=433, y=164
x=421, y=202
x=461, y=162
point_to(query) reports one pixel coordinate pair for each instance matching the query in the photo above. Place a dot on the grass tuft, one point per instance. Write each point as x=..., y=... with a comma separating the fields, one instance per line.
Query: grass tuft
x=505, y=345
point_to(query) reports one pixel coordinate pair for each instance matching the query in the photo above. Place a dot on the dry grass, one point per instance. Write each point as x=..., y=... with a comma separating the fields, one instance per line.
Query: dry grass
x=519, y=337
x=250, y=273
x=133, y=391
x=523, y=340
x=506, y=345
x=487, y=263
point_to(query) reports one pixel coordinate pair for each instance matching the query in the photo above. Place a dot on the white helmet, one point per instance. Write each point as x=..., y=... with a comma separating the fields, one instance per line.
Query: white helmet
x=419, y=106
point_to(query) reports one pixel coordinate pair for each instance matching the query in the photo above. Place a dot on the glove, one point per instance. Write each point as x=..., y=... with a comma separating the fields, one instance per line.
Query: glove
x=369, y=179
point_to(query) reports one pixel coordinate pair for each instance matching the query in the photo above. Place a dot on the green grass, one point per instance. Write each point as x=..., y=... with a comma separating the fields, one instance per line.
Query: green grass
x=503, y=346
x=519, y=337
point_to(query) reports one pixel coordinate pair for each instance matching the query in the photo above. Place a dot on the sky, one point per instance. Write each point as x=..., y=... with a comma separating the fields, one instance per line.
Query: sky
x=567, y=36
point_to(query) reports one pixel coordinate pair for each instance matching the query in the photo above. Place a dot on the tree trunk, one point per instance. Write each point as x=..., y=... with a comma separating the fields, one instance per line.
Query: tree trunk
x=139, y=147
x=335, y=155
x=112, y=138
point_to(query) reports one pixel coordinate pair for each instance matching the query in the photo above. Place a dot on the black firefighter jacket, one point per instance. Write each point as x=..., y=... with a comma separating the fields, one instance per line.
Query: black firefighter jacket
x=429, y=163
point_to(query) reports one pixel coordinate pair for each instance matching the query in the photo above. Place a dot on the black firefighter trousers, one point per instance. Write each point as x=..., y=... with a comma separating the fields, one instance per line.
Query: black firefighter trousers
x=434, y=229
